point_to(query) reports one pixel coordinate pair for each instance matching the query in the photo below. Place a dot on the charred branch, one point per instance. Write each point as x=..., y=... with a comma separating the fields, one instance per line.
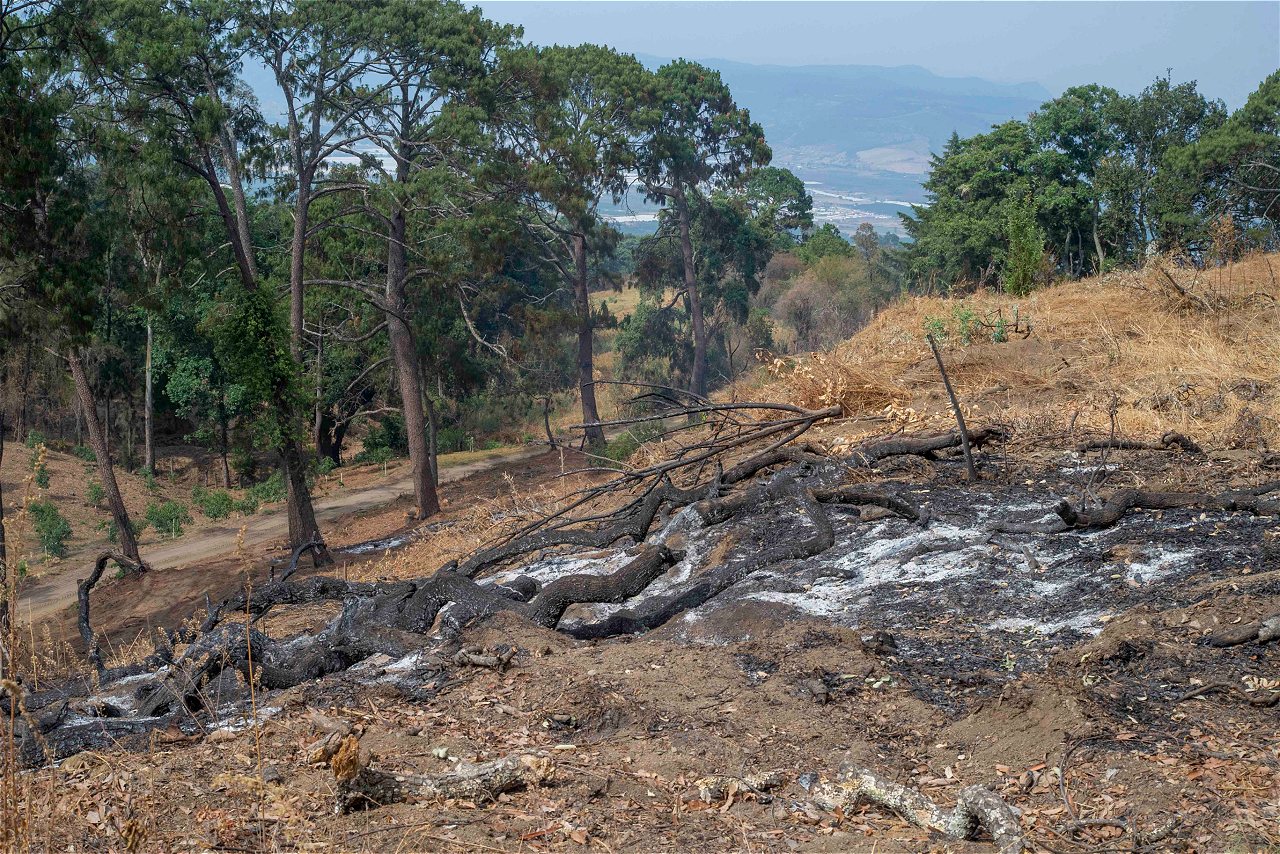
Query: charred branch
x=1168, y=442
x=1118, y=504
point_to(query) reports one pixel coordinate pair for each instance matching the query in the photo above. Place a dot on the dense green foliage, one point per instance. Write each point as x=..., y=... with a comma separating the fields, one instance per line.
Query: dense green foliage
x=1100, y=179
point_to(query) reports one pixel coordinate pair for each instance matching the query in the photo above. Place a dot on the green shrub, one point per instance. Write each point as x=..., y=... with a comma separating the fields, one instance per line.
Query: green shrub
x=451, y=439
x=168, y=517
x=1000, y=334
x=248, y=505
x=379, y=455
x=966, y=322
x=52, y=529
x=268, y=491
x=388, y=433
x=42, y=476
x=244, y=463
x=1026, y=247
x=113, y=531
x=34, y=439
x=149, y=480
x=213, y=503
x=325, y=465
x=626, y=444
x=94, y=493
x=935, y=326
x=85, y=453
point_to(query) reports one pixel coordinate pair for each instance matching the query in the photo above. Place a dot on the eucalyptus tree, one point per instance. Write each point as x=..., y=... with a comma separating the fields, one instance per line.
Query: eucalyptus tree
x=695, y=139
x=171, y=71
x=424, y=130
x=1150, y=126
x=324, y=65
x=574, y=145
x=732, y=237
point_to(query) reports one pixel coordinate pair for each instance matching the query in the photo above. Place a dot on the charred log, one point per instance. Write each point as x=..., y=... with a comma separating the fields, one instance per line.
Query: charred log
x=659, y=610
x=1168, y=442
x=873, y=452
x=1118, y=504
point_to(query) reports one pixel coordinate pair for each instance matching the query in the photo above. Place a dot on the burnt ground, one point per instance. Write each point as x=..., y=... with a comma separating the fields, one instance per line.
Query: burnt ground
x=941, y=655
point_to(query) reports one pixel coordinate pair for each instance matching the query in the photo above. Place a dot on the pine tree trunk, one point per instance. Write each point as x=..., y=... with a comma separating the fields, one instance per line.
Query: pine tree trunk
x=318, y=415
x=586, y=372
x=433, y=439
x=148, y=414
x=106, y=473
x=405, y=353
x=297, y=255
x=698, y=382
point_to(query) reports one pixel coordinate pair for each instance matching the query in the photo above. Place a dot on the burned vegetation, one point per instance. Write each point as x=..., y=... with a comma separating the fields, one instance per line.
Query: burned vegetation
x=958, y=590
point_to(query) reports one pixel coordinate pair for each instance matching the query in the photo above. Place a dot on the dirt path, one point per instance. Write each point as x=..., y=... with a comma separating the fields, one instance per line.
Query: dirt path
x=47, y=595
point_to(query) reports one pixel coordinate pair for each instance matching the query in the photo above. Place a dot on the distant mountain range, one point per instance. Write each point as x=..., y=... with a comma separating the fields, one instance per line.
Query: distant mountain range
x=870, y=118
x=861, y=135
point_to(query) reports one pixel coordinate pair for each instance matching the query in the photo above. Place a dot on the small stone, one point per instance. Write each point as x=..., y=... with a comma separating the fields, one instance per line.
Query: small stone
x=271, y=774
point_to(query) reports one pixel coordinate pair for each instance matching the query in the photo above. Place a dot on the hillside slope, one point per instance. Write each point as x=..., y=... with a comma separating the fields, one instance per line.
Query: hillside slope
x=1166, y=349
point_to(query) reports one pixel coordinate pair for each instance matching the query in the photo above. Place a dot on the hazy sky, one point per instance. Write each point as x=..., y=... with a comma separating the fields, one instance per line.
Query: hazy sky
x=1229, y=47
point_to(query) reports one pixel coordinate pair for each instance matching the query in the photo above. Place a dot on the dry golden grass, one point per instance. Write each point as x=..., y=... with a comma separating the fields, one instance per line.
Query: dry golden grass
x=1202, y=358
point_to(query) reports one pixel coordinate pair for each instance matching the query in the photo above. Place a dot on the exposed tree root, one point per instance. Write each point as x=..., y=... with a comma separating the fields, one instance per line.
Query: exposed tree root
x=716, y=786
x=1263, y=700
x=361, y=787
x=976, y=808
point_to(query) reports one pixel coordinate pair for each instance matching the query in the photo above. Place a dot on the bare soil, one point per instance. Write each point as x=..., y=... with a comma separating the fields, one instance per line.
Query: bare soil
x=344, y=502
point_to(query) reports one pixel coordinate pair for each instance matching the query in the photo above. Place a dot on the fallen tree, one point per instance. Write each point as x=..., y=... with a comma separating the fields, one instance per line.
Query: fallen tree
x=736, y=465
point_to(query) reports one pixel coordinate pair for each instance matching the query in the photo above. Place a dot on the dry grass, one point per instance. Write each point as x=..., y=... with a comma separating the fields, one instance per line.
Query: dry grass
x=1202, y=358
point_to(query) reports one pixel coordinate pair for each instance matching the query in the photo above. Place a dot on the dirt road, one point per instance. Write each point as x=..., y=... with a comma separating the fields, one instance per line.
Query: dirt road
x=44, y=596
